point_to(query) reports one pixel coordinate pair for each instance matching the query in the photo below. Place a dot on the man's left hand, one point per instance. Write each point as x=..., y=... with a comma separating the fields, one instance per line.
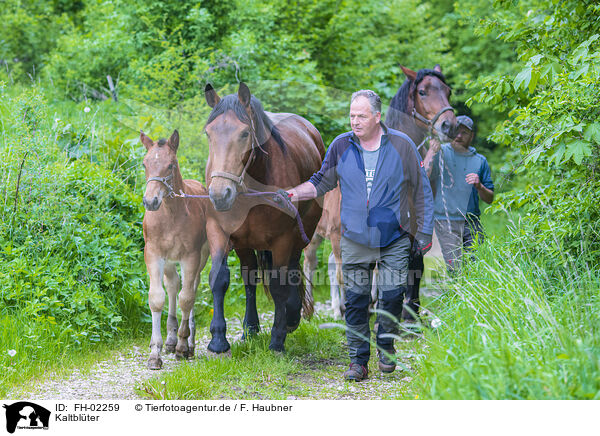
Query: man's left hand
x=473, y=179
x=424, y=241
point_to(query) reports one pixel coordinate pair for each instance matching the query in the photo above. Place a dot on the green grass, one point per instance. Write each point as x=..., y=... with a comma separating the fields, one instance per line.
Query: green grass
x=252, y=371
x=514, y=327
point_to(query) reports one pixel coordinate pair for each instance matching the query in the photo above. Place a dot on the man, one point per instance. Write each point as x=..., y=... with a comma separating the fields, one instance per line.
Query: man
x=378, y=169
x=459, y=176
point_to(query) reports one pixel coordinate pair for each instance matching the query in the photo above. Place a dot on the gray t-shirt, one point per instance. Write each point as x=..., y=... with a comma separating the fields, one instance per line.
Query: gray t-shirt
x=370, y=159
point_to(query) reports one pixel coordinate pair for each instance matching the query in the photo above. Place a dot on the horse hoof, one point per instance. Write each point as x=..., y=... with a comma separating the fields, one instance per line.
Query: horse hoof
x=225, y=355
x=218, y=346
x=155, y=363
x=170, y=348
x=280, y=349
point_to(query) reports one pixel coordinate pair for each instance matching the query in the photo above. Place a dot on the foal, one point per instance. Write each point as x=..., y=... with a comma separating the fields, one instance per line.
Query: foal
x=174, y=232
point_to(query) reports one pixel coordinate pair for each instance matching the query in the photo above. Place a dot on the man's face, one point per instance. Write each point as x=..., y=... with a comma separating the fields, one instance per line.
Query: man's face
x=463, y=136
x=364, y=124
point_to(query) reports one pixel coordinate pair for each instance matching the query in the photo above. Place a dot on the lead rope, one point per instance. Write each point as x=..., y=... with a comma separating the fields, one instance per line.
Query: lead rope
x=286, y=204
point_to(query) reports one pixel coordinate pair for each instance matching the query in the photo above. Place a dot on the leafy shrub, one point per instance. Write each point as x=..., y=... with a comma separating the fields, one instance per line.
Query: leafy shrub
x=71, y=269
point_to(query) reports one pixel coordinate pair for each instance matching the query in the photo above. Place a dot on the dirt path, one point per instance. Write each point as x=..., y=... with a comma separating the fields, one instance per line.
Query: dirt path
x=118, y=376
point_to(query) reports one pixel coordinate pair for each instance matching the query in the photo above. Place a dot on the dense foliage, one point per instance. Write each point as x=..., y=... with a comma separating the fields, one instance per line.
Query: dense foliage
x=71, y=270
x=553, y=133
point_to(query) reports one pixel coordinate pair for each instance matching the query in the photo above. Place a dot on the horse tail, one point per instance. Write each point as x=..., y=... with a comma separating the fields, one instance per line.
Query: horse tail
x=308, y=302
x=265, y=265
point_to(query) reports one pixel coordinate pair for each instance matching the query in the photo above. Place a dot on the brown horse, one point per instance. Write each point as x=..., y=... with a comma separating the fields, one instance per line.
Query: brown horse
x=174, y=232
x=253, y=150
x=420, y=108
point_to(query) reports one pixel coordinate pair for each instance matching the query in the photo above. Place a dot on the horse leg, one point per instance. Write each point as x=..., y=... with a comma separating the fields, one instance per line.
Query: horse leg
x=187, y=298
x=204, y=253
x=293, y=304
x=173, y=284
x=219, y=282
x=337, y=291
x=279, y=289
x=416, y=266
x=249, y=272
x=156, y=300
x=311, y=263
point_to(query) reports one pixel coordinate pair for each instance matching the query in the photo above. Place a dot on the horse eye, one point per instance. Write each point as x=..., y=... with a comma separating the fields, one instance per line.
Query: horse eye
x=171, y=166
x=245, y=134
x=421, y=92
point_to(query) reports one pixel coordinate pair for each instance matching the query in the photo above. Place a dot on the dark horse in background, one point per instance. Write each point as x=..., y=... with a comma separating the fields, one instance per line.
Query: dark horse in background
x=421, y=109
x=252, y=152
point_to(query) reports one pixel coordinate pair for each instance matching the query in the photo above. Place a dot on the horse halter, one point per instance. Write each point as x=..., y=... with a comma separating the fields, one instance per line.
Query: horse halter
x=239, y=180
x=431, y=123
x=165, y=181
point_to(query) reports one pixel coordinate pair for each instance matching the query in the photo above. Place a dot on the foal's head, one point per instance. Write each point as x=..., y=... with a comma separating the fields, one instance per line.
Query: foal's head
x=231, y=136
x=160, y=164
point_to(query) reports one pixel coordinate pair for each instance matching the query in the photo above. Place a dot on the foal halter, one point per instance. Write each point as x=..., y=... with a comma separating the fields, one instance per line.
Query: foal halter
x=165, y=181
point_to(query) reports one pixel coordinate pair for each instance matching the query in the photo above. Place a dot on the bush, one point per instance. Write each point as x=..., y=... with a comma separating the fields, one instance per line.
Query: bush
x=71, y=269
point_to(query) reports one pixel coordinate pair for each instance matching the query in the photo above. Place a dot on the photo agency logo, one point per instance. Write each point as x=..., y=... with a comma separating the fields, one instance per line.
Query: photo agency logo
x=26, y=415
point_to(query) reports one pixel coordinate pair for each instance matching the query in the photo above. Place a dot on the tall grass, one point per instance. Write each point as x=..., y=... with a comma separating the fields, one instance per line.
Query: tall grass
x=516, y=325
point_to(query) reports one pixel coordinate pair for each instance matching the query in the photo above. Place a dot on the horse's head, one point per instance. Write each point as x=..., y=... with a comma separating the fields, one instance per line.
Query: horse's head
x=231, y=138
x=160, y=164
x=430, y=97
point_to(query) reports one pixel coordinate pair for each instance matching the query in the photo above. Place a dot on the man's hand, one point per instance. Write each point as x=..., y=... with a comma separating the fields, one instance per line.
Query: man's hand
x=473, y=179
x=434, y=145
x=424, y=242
x=282, y=198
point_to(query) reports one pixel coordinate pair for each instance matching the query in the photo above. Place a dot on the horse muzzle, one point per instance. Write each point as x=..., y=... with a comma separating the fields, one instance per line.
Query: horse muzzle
x=152, y=204
x=222, y=199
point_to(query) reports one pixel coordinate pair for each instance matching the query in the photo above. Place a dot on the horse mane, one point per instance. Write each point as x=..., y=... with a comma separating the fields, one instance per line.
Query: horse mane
x=399, y=105
x=264, y=127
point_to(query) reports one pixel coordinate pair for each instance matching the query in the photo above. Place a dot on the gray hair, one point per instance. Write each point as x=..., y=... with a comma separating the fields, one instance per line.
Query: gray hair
x=374, y=100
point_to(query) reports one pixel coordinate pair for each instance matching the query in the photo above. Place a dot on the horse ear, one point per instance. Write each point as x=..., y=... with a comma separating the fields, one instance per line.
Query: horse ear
x=174, y=140
x=437, y=68
x=244, y=94
x=410, y=74
x=212, y=98
x=145, y=140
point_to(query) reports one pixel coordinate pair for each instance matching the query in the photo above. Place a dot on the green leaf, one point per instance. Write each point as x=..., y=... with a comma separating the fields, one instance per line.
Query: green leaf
x=523, y=78
x=578, y=149
x=533, y=82
x=592, y=132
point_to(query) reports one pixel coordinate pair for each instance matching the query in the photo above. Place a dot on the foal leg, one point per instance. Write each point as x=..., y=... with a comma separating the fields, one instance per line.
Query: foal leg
x=311, y=263
x=173, y=284
x=156, y=300
x=334, y=286
x=337, y=290
x=249, y=273
x=187, y=298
